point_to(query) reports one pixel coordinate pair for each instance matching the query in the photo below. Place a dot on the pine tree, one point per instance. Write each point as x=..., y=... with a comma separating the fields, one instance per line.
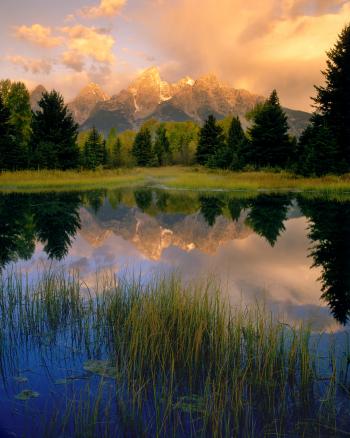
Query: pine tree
x=94, y=150
x=211, y=208
x=54, y=125
x=329, y=234
x=15, y=97
x=5, y=88
x=237, y=145
x=162, y=146
x=211, y=140
x=317, y=149
x=6, y=137
x=143, y=198
x=270, y=143
x=116, y=153
x=267, y=215
x=333, y=99
x=18, y=102
x=142, y=148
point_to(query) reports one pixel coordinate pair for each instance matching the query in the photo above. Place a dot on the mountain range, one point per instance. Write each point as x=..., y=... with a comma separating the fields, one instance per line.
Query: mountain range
x=149, y=96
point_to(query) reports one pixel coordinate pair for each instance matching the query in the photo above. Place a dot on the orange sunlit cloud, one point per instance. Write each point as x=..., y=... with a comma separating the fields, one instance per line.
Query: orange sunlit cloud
x=252, y=44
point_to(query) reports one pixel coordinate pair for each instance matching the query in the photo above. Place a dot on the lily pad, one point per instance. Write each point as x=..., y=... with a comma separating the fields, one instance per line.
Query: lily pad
x=69, y=379
x=62, y=381
x=27, y=394
x=194, y=404
x=101, y=367
x=20, y=379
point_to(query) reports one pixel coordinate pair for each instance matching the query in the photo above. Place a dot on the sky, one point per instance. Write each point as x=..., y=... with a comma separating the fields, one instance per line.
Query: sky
x=257, y=45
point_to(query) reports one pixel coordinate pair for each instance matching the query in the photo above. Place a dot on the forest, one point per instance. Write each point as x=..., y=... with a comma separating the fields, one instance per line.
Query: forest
x=49, y=138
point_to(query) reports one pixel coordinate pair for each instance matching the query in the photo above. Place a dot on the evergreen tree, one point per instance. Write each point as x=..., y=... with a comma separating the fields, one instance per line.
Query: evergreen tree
x=236, y=145
x=333, y=99
x=57, y=221
x=15, y=97
x=236, y=206
x=142, y=148
x=211, y=208
x=116, y=154
x=17, y=234
x=270, y=143
x=95, y=199
x=317, y=149
x=143, y=199
x=211, y=140
x=329, y=231
x=162, y=146
x=18, y=102
x=5, y=88
x=54, y=125
x=6, y=137
x=94, y=153
x=267, y=216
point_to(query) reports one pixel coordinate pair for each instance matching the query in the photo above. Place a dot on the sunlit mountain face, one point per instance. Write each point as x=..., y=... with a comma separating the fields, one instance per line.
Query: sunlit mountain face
x=287, y=252
x=247, y=45
x=150, y=97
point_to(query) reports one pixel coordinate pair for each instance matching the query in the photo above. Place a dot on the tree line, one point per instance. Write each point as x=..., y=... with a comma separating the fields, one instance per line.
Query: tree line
x=49, y=137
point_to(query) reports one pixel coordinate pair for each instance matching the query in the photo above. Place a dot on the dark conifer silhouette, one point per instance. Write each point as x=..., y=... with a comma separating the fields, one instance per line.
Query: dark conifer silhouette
x=211, y=208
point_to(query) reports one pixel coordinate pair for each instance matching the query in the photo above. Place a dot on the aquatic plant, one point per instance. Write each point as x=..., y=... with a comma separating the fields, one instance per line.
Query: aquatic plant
x=172, y=358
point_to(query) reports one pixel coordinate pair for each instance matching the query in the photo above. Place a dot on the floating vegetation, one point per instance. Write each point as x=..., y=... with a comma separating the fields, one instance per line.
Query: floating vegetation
x=101, y=367
x=20, y=379
x=69, y=379
x=27, y=394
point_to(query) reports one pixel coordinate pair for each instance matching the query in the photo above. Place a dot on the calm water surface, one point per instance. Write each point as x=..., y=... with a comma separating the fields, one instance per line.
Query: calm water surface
x=289, y=251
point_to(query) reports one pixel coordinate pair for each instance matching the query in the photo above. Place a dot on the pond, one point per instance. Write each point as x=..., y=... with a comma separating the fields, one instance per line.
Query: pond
x=286, y=251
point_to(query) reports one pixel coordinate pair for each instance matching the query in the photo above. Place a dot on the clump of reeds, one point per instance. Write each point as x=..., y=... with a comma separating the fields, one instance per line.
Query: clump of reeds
x=187, y=363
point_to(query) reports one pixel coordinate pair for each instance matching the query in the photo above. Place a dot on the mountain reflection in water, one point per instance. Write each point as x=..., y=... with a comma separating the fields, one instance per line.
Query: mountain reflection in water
x=292, y=249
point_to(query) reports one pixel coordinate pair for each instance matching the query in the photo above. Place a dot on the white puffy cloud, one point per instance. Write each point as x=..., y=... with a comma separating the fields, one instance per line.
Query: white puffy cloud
x=106, y=8
x=89, y=42
x=38, y=35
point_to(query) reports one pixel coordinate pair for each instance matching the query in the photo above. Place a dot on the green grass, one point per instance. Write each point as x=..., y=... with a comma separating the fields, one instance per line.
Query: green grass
x=186, y=362
x=173, y=177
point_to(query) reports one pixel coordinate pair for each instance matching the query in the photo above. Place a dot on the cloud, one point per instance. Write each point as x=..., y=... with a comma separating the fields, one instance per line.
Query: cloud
x=261, y=45
x=32, y=65
x=106, y=8
x=89, y=42
x=73, y=60
x=38, y=35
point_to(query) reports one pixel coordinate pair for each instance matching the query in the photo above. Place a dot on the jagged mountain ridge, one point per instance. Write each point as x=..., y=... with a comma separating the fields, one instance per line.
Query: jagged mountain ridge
x=149, y=96
x=82, y=106
x=35, y=95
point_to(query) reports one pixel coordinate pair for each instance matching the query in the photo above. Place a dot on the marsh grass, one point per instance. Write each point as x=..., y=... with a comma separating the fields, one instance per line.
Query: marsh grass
x=171, y=177
x=184, y=362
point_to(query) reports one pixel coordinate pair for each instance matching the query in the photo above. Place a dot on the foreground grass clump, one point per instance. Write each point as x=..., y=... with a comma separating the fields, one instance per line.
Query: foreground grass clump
x=184, y=361
x=172, y=177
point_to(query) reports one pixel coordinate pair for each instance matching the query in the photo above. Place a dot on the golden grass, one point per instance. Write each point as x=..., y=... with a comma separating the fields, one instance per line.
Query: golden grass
x=175, y=177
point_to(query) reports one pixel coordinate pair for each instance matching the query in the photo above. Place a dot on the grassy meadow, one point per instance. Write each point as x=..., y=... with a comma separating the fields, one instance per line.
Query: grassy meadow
x=174, y=177
x=174, y=358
